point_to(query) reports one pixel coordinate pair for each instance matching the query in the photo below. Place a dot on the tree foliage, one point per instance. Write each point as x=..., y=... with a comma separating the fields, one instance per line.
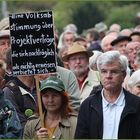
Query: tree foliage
x=84, y=14
x=124, y=15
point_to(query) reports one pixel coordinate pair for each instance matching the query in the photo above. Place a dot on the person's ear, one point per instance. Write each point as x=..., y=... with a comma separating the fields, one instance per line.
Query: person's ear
x=134, y=67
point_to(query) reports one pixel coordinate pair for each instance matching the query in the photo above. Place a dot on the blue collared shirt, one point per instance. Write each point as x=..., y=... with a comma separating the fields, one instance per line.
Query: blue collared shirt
x=111, y=116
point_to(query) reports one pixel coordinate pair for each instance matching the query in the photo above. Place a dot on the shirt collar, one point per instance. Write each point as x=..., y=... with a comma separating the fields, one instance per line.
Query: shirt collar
x=119, y=101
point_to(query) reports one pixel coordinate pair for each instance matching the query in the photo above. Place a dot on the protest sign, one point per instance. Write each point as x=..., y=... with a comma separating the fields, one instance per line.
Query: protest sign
x=32, y=43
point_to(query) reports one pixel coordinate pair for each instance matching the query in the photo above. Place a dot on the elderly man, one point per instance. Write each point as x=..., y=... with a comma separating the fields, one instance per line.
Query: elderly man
x=120, y=43
x=78, y=60
x=132, y=48
x=66, y=39
x=113, y=112
x=106, y=42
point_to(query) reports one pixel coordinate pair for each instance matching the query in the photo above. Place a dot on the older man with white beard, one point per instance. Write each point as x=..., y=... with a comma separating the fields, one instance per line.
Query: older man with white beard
x=78, y=60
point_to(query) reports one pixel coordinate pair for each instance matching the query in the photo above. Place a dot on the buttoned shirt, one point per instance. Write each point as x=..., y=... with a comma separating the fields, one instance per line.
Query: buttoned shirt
x=111, y=116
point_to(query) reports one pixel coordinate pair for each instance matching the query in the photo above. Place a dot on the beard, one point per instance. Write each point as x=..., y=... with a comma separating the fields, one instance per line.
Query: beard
x=79, y=71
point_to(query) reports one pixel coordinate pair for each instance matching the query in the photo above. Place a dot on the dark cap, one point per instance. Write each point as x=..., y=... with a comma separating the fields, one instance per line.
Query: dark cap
x=120, y=39
x=135, y=33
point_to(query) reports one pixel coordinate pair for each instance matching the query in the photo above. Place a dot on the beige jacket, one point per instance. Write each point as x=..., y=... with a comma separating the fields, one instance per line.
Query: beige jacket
x=71, y=86
x=65, y=130
x=93, y=79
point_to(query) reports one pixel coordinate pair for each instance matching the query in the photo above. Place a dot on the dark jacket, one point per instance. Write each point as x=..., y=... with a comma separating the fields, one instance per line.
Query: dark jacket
x=21, y=97
x=90, y=118
x=10, y=126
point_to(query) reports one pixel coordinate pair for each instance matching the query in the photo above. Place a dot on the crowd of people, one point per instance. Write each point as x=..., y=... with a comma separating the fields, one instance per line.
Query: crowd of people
x=95, y=93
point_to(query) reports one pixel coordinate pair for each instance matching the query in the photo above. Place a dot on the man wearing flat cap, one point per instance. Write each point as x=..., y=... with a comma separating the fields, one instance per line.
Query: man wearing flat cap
x=120, y=43
x=78, y=60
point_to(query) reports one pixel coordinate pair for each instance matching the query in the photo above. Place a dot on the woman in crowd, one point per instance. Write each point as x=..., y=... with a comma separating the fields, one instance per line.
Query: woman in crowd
x=59, y=119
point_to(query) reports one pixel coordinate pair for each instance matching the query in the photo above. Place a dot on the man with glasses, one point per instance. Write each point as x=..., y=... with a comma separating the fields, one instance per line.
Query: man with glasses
x=120, y=43
x=132, y=49
x=113, y=112
x=78, y=61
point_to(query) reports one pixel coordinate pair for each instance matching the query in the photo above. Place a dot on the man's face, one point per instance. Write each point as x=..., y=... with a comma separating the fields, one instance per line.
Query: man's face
x=4, y=45
x=111, y=76
x=121, y=47
x=106, y=43
x=132, y=49
x=68, y=39
x=135, y=38
x=78, y=63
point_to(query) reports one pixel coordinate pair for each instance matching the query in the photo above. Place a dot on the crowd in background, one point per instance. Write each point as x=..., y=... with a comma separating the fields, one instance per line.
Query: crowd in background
x=94, y=93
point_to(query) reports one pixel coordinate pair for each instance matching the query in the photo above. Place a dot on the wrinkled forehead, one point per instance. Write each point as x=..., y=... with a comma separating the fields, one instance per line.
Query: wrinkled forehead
x=68, y=35
x=133, y=44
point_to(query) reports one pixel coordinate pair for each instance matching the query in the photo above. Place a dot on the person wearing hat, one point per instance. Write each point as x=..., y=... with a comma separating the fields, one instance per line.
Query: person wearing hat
x=120, y=43
x=59, y=119
x=78, y=60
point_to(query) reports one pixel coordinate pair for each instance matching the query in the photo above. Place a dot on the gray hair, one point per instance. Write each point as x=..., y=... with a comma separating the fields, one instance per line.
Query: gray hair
x=110, y=57
x=134, y=79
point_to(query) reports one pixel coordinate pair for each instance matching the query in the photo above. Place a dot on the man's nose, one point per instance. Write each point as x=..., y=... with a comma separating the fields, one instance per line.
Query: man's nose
x=77, y=60
x=109, y=74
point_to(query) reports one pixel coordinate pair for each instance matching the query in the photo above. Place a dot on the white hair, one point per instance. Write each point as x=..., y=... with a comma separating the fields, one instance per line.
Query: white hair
x=134, y=79
x=110, y=57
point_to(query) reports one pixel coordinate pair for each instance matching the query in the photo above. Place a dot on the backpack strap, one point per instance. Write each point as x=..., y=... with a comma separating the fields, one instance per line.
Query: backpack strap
x=17, y=93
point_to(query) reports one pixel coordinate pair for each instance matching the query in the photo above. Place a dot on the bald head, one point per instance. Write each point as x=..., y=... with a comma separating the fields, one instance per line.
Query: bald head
x=115, y=27
x=106, y=43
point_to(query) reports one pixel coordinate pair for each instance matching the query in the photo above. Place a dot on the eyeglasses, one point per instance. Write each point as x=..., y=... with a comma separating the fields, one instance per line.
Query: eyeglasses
x=111, y=72
x=77, y=58
x=69, y=40
x=134, y=49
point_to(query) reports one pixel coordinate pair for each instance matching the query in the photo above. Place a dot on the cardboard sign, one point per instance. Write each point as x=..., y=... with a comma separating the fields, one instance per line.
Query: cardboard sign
x=32, y=43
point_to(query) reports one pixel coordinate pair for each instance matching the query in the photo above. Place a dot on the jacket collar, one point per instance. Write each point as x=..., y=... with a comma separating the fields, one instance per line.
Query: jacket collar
x=64, y=122
x=92, y=78
x=130, y=106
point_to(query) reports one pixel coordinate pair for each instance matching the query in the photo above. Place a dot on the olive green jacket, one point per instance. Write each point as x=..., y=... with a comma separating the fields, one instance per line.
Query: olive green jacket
x=65, y=129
